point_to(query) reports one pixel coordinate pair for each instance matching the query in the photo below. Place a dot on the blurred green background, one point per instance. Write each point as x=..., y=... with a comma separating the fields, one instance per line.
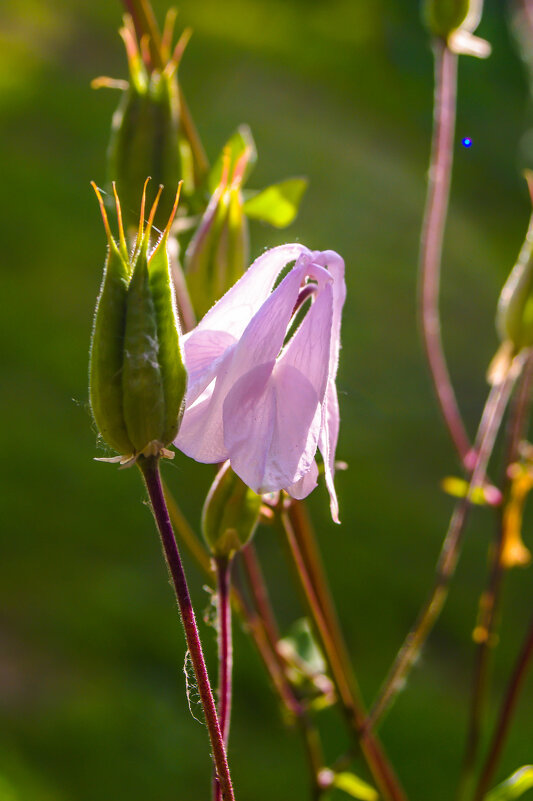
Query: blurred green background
x=92, y=695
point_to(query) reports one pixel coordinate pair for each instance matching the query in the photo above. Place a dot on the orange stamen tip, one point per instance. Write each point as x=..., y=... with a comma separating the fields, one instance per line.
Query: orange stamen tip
x=102, y=210
x=154, y=207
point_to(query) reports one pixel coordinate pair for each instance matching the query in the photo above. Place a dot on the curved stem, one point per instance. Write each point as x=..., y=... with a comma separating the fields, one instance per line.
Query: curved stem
x=488, y=429
x=150, y=471
x=490, y=599
x=440, y=170
x=354, y=711
x=258, y=589
x=505, y=716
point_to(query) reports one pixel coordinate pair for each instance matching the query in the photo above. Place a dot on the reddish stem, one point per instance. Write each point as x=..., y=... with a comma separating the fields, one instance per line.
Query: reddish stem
x=150, y=471
x=440, y=171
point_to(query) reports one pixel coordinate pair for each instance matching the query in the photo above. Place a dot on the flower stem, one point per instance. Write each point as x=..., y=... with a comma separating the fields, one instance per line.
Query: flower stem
x=225, y=645
x=352, y=706
x=259, y=591
x=150, y=471
x=225, y=653
x=506, y=712
x=490, y=599
x=440, y=170
x=408, y=653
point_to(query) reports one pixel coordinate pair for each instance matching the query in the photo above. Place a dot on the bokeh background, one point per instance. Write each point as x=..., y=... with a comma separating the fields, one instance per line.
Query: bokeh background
x=92, y=695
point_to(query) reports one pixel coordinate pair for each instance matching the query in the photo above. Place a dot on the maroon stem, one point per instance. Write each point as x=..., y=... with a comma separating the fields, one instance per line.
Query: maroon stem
x=353, y=709
x=490, y=600
x=408, y=653
x=150, y=471
x=225, y=653
x=259, y=591
x=440, y=171
x=225, y=647
x=505, y=716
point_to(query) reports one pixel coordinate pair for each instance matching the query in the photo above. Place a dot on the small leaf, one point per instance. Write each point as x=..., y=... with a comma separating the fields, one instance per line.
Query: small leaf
x=301, y=644
x=241, y=141
x=514, y=787
x=355, y=787
x=481, y=496
x=277, y=204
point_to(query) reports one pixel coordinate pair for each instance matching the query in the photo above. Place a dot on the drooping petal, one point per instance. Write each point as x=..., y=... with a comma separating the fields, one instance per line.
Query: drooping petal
x=201, y=433
x=236, y=308
x=271, y=427
x=306, y=484
x=327, y=443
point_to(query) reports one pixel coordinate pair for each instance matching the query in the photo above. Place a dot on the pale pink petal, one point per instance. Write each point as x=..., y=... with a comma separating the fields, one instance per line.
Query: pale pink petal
x=302, y=488
x=309, y=349
x=203, y=354
x=271, y=427
x=236, y=308
x=327, y=443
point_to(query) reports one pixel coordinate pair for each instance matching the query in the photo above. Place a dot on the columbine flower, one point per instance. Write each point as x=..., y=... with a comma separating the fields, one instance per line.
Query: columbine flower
x=258, y=396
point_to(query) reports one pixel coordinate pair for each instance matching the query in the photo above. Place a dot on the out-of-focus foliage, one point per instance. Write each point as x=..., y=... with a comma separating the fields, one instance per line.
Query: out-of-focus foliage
x=92, y=698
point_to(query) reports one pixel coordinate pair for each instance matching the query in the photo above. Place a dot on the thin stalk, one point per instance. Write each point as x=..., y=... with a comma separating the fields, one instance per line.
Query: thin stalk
x=268, y=653
x=506, y=712
x=353, y=709
x=447, y=562
x=225, y=653
x=150, y=471
x=307, y=542
x=438, y=190
x=490, y=599
x=259, y=591
x=225, y=645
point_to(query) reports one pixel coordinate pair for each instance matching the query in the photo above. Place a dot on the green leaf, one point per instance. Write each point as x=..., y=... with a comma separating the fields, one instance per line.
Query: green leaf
x=514, y=787
x=241, y=141
x=301, y=644
x=355, y=787
x=277, y=204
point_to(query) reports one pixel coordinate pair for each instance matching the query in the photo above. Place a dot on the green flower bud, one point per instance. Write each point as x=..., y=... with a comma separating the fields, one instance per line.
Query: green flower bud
x=455, y=21
x=149, y=135
x=442, y=17
x=514, y=316
x=137, y=376
x=218, y=253
x=230, y=513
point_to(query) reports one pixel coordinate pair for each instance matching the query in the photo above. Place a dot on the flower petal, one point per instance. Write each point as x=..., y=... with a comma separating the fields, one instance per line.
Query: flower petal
x=271, y=426
x=236, y=308
x=305, y=485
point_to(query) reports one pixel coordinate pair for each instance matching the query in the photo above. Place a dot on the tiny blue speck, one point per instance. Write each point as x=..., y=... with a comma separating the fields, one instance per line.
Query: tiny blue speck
x=466, y=142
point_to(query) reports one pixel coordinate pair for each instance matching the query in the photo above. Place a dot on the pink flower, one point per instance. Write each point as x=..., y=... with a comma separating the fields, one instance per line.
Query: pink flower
x=264, y=405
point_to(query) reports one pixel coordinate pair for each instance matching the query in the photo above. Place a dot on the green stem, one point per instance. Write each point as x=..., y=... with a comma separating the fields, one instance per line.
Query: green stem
x=150, y=470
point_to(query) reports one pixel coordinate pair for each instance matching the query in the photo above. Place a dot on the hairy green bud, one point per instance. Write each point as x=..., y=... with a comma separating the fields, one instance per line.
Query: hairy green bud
x=137, y=375
x=148, y=134
x=514, y=316
x=230, y=514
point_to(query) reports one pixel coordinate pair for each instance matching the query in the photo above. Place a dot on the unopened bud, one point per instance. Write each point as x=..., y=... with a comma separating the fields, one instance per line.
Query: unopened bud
x=455, y=21
x=147, y=135
x=137, y=375
x=230, y=514
x=514, y=316
x=218, y=253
